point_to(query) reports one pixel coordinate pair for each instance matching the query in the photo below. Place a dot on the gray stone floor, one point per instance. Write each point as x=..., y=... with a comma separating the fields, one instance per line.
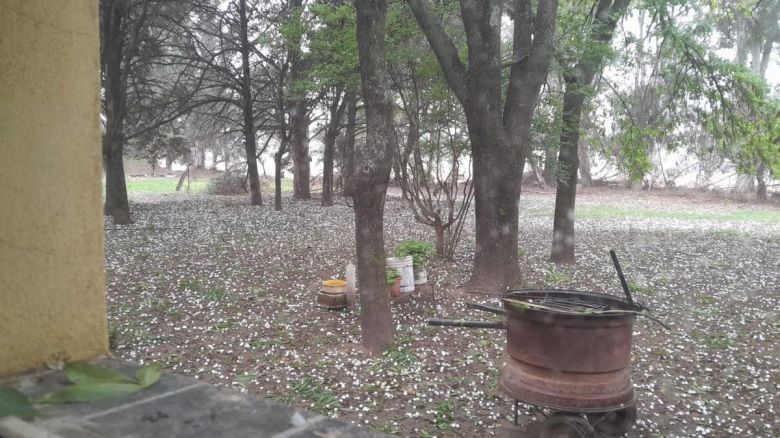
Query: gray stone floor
x=175, y=407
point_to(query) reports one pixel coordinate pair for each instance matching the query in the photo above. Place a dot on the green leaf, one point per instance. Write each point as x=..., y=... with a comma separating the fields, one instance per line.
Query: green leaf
x=148, y=375
x=86, y=392
x=82, y=372
x=14, y=403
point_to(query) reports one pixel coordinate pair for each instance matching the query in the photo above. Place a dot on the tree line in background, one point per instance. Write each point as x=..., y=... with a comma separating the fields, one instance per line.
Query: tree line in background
x=451, y=99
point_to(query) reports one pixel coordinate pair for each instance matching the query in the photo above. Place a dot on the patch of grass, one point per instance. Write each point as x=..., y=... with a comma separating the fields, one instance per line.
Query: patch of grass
x=492, y=380
x=163, y=185
x=431, y=331
x=244, y=379
x=139, y=287
x=714, y=340
x=554, y=277
x=322, y=400
x=457, y=381
x=387, y=427
x=613, y=211
x=268, y=185
x=706, y=299
x=324, y=364
x=157, y=303
x=445, y=413
x=215, y=294
x=726, y=234
x=224, y=325
x=371, y=387
x=719, y=342
x=260, y=344
x=395, y=359
x=399, y=359
x=404, y=339
x=638, y=288
x=190, y=284
x=536, y=211
x=113, y=335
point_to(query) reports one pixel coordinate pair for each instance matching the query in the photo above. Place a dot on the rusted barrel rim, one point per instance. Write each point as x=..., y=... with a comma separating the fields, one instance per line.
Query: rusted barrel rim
x=616, y=307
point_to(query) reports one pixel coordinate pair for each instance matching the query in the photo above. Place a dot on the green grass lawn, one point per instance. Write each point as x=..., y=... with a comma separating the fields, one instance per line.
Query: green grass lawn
x=612, y=211
x=287, y=186
x=159, y=185
x=163, y=185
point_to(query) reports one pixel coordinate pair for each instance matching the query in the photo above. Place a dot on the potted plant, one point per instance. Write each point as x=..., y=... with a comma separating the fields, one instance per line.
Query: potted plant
x=421, y=252
x=394, y=282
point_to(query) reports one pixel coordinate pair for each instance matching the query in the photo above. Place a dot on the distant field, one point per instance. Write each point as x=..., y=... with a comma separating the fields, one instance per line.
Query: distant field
x=158, y=185
x=164, y=185
x=613, y=212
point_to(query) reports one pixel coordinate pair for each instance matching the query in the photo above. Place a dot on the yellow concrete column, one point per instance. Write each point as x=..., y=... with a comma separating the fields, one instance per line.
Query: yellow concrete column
x=52, y=283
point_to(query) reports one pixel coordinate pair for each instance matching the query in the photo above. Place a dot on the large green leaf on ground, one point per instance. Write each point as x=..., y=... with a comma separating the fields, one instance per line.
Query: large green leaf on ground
x=148, y=375
x=14, y=403
x=82, y=372
x=87, y=392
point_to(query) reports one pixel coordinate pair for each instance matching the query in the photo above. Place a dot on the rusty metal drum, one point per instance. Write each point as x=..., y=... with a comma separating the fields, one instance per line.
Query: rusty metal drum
x=568, y=350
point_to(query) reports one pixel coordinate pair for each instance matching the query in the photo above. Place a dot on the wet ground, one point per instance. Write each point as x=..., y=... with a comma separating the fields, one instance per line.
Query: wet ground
x=218, y=290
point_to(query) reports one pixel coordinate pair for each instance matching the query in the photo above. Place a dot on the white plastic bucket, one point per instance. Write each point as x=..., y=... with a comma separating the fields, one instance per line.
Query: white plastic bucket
x=404, y=266
x=420, y=277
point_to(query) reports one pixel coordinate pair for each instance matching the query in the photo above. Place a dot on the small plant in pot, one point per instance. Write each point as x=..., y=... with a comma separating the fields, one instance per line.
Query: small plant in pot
x=421, y=252
x=394, y=282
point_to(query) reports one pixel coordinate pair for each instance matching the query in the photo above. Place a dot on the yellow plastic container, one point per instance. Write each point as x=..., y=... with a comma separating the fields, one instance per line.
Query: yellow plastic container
x=334, y=283
x=332, y=295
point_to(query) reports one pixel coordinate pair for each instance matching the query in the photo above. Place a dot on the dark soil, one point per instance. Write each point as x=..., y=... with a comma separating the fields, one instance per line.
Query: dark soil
x=216, y=289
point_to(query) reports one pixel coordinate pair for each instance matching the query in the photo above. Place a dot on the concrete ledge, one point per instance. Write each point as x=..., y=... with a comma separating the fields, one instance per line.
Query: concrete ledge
x=175, y=407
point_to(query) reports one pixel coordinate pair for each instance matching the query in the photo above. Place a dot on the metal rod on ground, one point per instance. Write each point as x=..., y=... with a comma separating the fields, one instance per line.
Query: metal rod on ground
x=620, y=275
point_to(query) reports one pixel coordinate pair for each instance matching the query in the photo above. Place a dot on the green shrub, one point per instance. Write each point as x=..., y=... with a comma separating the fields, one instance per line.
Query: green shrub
x=229, y=183
x=419, y=250
x=392, y=276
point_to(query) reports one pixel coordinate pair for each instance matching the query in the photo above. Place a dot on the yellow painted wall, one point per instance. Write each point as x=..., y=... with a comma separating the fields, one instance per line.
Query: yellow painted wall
x=52, y=291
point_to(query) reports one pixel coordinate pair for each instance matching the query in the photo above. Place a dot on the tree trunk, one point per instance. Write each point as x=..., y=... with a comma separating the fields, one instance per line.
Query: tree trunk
x=584, y=159
x=251, y=164
x=116, y=204
x=201, y=159
x=550, y=166
x=441, y=245
x=576, y=80
x=349, y=145
x=300, y=150
x=496, y=192
x=538, y=173
x=376, y=322
x=568, y=163
x=327, y=169
x=115, y=104
x=337, y=108
x=278, y=180
x=250, y=143
x=760, y=173
x=744, y=183
x=396, y=167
